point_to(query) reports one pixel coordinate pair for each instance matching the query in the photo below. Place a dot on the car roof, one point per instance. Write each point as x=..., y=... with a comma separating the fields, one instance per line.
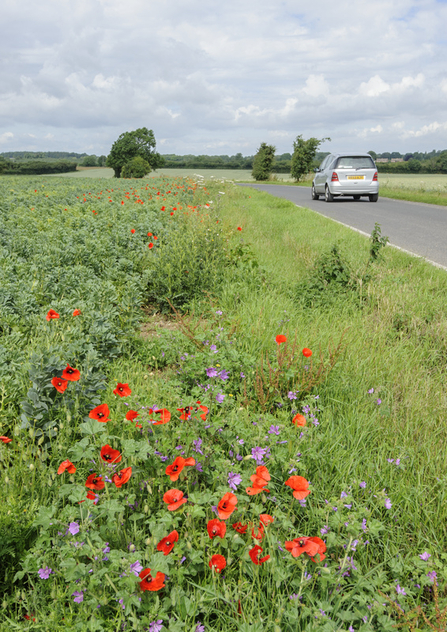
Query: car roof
x=353, y=153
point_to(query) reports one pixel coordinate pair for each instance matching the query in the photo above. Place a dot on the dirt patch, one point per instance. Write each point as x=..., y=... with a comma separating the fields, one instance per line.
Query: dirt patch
x=155, y=322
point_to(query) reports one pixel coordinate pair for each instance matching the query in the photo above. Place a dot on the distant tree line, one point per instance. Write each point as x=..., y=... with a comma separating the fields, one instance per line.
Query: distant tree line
x=35, y=167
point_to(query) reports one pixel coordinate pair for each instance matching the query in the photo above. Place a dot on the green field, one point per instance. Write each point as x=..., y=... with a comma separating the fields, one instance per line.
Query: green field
x=280, y=462
x=431, y=189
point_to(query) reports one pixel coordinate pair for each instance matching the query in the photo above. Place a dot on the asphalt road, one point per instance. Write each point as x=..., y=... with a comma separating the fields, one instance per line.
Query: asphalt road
x=420, y=229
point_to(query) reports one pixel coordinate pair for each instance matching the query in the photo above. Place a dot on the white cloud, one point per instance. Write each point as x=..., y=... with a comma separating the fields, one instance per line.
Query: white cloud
x=6, y=137
x=242, y=73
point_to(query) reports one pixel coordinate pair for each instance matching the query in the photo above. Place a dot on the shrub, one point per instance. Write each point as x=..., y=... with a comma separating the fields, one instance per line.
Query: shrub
x=136, y=168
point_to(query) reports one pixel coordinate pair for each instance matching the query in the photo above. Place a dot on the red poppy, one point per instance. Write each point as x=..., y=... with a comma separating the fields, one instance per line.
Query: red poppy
x=59, y=384
x=299, y=485
x=239, y=228
x=216, y=528
x=151, y=245
x=280, y=338
x=188, y=410
x=122, y=390
x=77, y=312
x=174, y=499
x=307, y=352
x=131, y=415
x=151, y=583
x=94, y=481
x=66, y=465
x=52, y=315
x=255, y=553
x=122, y=476
x=149, y=234
x=72, y=375
x=266, y=519
x=259, y=534
x=165, y=416
x=299, y=420
x=312, y=546
x=226, y=506
x=100, y=413
x=166, y=544
x=240, y=528
x=109, y=455
x=217, y=563
x=5, y=439
x=259, y=480
x=132, y=230
x=173, y=471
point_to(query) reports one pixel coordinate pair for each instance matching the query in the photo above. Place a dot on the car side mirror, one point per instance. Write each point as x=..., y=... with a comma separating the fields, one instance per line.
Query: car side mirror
x=317, y=169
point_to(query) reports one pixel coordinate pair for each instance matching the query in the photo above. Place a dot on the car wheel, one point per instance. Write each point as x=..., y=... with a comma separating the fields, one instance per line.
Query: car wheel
x=315, y=195
x=374, y=197
x=328, y=195
x=356, y=197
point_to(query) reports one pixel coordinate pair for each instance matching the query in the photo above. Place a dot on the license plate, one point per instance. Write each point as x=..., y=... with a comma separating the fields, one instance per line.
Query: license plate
x=355, y=177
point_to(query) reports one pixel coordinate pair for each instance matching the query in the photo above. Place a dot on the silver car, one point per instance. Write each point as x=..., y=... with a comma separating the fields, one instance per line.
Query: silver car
x=352, y=174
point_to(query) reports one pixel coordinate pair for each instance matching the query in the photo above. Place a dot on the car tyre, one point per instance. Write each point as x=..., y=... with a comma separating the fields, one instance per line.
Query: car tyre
x=315, y=195
x=374, y=197
x=356, y=197
x=328, y=195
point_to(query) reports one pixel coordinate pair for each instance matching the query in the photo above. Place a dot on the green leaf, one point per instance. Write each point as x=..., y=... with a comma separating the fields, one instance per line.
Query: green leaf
x=44, y=516
x=92, y=427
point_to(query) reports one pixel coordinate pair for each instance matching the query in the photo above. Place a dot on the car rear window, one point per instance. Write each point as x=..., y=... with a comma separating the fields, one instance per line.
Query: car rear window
x=355, y=162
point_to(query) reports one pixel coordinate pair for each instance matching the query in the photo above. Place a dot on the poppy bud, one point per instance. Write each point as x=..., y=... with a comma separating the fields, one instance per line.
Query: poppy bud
x=189, y=546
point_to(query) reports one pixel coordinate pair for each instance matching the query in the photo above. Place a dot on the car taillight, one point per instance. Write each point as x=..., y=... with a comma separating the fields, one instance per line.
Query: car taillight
x=375, y=179
x=335, y=177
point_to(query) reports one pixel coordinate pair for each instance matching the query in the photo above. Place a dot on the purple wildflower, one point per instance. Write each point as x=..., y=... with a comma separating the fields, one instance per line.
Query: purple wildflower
x=291, y=395
x=432, y=575
x=388, y=504
x=234, y=480
x=197, y=443
x=324, y=529
x=136, y=568
x=362, y=484
x=155, y=626
x=424, y=556
x=199, y=627
x=211, y=372
x=78, y=596
x=400, y=591
x=258, y=454
x=273, y=430
x=224, y=375
x=242, y=375
x=213, y=348
x=220, y=398
x=371, y=391
x=73, y=528
x=44, y=573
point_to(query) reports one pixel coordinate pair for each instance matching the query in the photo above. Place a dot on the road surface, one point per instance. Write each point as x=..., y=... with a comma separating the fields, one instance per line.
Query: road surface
x=420, y=229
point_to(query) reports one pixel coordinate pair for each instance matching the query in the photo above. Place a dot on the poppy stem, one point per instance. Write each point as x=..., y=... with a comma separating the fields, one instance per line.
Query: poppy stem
x=343, y=564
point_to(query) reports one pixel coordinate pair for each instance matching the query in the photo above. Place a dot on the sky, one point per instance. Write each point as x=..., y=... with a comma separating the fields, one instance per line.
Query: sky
x=223, y=77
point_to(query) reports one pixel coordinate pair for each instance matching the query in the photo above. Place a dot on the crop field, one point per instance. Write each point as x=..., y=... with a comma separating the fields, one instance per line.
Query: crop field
x=209, y=174
x=219, y=412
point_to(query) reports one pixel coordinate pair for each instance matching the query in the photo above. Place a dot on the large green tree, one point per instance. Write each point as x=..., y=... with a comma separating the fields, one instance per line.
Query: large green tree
x=263, y=162
x=304, y=152
x=129, y=145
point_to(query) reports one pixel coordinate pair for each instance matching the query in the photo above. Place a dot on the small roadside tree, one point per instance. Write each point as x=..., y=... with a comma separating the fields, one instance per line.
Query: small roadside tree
x=129, y=145
x=138, y=167
x=89, y=161
x=263, y=162
x=304, y=152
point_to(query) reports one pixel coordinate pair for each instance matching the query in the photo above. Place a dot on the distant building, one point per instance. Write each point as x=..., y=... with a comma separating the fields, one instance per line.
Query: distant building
x=382, y=160
x=397, y=159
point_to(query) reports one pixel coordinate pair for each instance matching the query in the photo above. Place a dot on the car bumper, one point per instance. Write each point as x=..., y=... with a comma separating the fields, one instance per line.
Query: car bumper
x=362, y=188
